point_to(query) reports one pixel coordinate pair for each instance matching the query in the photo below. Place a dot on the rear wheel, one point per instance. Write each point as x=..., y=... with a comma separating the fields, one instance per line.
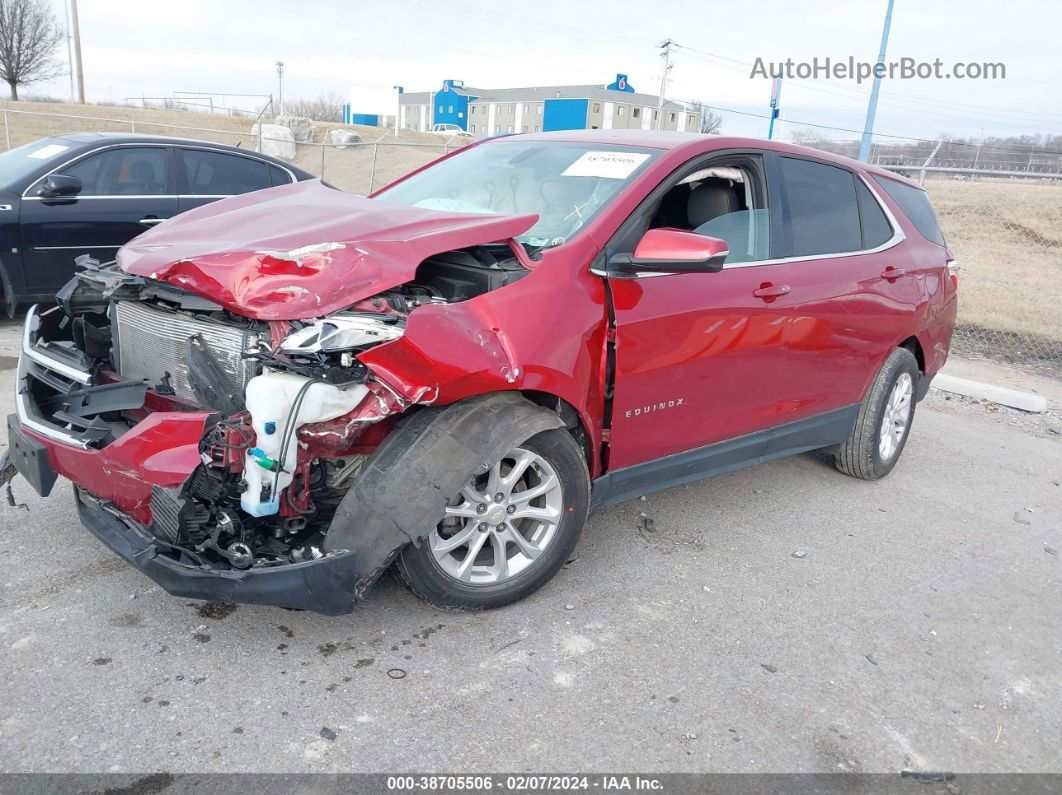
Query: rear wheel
x=508, y=531
x=884, y=421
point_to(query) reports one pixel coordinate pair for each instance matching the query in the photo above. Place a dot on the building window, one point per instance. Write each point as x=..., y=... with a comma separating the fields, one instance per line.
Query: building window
x=471, y=128
x=538, y=129
x=671, y=118
x=440, y=109
x=538, y=109
x=620, y=109
x=656, y=115
x=691, y=119
x=596, y=108
x=636, y=113
x=450, y=109
x=527, y=109
x=460, y=115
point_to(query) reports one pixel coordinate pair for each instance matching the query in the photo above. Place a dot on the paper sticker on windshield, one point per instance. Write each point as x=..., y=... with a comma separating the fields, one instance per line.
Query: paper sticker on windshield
x=47, y=151
x=610, y=165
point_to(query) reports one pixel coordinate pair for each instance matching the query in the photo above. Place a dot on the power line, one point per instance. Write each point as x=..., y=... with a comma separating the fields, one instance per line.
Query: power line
x=839, y=90
x=816, y=125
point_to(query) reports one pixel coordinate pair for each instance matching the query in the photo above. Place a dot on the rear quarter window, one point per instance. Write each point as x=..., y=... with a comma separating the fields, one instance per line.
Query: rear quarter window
x=915, y=205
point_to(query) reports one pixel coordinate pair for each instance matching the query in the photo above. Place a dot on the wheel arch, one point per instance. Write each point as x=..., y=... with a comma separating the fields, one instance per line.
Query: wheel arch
x=913, y=344
x=573, y=421
x=400, y=493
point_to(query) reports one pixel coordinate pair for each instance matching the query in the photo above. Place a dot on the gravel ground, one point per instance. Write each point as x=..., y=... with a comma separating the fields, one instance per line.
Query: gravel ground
x=780, y=619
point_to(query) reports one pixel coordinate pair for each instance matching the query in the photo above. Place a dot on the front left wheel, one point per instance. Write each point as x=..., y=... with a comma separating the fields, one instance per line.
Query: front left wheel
x=508, y=531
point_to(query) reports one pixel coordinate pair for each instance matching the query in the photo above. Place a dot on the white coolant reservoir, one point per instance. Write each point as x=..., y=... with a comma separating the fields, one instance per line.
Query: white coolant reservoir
x=270, y=400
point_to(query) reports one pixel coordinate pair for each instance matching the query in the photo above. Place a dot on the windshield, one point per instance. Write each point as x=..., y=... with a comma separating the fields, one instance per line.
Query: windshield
x=20, y=162
x=566, y=184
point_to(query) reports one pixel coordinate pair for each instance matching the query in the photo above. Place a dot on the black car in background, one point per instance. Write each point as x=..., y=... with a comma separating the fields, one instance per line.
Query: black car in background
x=91, y=193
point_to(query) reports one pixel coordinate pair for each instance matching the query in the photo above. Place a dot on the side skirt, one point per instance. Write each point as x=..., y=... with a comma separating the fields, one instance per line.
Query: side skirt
x=822, y=430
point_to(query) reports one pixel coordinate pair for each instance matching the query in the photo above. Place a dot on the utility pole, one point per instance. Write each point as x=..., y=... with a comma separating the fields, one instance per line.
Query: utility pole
x=398, y=108
x=69, y=49
x=280, y=88
x=665, y=53
x=872, y=106
x=77, y=52
x=980, y=143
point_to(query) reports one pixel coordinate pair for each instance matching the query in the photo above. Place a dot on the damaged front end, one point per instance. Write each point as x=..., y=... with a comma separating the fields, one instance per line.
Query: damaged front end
x=212, y=448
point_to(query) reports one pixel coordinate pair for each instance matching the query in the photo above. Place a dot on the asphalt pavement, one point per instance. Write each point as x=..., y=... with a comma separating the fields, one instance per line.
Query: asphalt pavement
x=780, y=619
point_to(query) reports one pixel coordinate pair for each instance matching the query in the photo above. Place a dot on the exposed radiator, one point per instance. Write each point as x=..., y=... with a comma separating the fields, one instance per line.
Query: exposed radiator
x=150, y=344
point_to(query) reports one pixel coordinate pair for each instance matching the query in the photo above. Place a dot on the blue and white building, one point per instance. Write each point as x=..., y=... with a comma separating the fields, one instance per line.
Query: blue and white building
x=495, y=111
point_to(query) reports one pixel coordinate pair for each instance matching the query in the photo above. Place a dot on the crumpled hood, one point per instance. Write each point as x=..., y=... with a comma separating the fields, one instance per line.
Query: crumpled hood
x=303, y=250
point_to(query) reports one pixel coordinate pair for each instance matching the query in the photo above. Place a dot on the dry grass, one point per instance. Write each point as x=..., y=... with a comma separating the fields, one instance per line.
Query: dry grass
x=1007, y=237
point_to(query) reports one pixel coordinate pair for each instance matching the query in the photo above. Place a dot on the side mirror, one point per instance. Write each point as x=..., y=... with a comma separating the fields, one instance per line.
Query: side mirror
x=672, y=251
x=57, y=186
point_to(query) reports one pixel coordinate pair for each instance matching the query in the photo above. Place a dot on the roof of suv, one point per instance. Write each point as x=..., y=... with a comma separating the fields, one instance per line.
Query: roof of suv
x=663, y=139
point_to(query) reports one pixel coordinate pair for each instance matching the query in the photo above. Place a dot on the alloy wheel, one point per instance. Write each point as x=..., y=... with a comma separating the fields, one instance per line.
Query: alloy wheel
x=501, y=522
x=896, y=416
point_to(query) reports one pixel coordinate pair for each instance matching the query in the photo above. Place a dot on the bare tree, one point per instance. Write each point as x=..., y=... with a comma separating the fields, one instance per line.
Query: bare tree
x=29, y=37
x=327, y=107
x=711, y=122
x=809, y=137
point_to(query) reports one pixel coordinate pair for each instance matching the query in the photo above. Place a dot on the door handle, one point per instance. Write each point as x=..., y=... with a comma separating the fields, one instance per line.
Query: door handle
x=151, y=220
x=891, y=273
x=769, y=292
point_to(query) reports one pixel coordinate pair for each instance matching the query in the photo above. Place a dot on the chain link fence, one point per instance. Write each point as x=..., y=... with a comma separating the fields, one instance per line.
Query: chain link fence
x=1005, y=231
x=380, y=158
x=1007, y=237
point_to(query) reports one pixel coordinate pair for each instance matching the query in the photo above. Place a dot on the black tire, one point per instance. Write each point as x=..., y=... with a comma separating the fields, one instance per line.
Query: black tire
x=420, y=571
x=860, y=455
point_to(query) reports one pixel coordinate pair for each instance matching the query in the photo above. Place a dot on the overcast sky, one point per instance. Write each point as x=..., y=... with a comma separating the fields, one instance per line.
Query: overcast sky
x=361, y=49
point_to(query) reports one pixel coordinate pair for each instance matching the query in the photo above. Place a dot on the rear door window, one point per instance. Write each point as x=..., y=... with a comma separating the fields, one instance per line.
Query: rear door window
x=123, y=171
x=822, y=212
x=915, y=205
x=218, y=174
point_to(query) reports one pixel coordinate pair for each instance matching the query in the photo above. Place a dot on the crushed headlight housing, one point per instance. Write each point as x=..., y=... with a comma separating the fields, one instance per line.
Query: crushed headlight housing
x=341, y=333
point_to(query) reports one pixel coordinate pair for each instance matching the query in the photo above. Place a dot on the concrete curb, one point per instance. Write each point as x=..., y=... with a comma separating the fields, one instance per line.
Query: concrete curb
x=995, y=394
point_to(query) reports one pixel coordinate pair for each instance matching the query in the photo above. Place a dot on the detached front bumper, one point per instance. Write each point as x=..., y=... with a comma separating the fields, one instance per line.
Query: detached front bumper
x=326, y=585
x=114, y=481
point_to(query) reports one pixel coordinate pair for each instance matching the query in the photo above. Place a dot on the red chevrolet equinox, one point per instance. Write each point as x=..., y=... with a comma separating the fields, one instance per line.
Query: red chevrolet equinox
x=275, y=398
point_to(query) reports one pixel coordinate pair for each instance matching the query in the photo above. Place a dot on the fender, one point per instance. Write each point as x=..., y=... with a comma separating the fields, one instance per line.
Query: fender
x=401, y=492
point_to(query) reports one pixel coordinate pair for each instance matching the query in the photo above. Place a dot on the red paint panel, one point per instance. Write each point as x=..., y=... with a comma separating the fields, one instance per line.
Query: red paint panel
x=244, y=252
x=543, y=333
x=700, y=358
x=161, y=450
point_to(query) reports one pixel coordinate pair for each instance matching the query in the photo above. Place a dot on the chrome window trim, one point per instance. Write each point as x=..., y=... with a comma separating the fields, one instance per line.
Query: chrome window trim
x=898, y=237
x=249, y=156
x=72, y=248
x=88, y=198
x=201, y=147
x=82, y=156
